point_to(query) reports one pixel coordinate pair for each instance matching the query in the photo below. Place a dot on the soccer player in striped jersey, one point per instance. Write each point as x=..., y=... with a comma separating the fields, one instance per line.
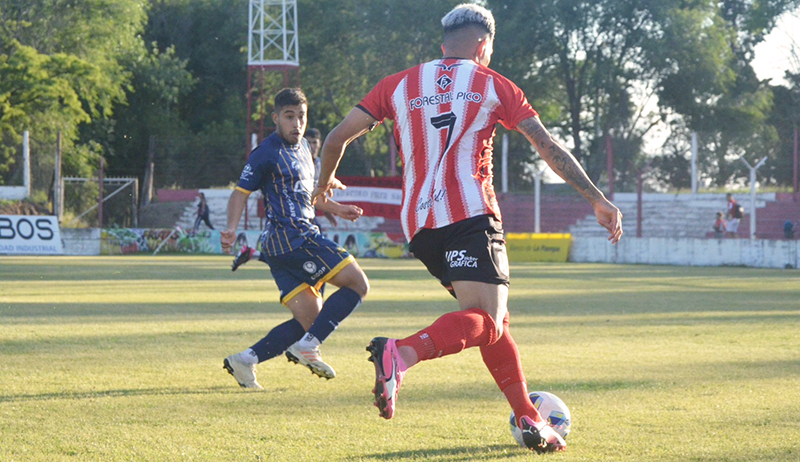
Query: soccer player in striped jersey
x=301, y=260
x=445, y=113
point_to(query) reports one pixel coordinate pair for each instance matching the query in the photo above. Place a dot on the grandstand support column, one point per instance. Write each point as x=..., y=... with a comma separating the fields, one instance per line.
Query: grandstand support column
x=639, y=188
x=134, y=202
x=58, y=187
x=26, y=163
x=504, y=166
x=753, y=170
x=796, y=166
x=694, y=162
x=537, y=190
x=100, y=193
x=610, y=166
x=149, y=170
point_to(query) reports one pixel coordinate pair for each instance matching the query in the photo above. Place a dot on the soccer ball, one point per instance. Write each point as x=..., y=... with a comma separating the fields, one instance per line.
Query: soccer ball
x=552, y=409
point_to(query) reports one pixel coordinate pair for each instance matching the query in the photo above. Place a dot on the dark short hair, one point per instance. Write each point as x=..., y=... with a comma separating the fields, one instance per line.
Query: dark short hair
x=313, y=133
x=290, y=97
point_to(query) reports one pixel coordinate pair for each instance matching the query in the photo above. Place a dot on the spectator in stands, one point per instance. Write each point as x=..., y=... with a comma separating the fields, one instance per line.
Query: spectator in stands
x=300, y=259
x=733, y=215
x=202, y=213
x=788, y=229
x=720, y=226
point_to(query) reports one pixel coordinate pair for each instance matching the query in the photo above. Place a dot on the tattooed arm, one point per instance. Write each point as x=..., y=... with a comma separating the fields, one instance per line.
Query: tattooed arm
x=567, y=167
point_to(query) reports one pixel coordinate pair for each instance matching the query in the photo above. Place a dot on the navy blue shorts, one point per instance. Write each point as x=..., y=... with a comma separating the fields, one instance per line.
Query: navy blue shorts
x=313, y=264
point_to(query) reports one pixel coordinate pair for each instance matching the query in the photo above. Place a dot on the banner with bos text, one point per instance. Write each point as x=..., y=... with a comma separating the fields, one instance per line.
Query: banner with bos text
x=30, y=235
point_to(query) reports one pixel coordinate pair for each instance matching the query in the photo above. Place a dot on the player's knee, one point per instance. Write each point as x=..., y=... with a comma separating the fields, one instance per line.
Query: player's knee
x=498, y=330
x=499, y=319
x=358, y=283
x=361, y=286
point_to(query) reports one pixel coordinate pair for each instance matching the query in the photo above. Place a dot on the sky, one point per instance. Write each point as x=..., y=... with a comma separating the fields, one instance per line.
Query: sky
x=773, y=56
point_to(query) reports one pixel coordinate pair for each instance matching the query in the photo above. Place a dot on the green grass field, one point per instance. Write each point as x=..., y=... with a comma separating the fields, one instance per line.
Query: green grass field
x=119, y=358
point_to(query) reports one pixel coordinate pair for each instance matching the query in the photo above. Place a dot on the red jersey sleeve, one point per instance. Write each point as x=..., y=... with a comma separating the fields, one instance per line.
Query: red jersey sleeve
x=377, y=103
x=515, y=107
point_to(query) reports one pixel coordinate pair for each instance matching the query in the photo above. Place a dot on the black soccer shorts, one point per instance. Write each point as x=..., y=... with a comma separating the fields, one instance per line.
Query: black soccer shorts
x=469, y=250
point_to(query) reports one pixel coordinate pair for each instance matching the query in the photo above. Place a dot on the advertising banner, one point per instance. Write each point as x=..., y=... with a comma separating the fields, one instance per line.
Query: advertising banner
x=378, y=197
x=526, y=247
x=30, y=235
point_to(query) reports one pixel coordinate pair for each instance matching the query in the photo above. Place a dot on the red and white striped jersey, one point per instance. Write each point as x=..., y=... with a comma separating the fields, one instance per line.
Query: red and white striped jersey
x=445, y=113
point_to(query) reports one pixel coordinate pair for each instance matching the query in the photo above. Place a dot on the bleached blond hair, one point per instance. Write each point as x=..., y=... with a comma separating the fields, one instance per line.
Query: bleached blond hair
x=468, y=13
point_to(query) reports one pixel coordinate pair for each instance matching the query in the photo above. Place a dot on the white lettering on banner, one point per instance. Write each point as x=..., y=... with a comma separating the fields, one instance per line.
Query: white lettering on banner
x=369, y=194
x=30, y=235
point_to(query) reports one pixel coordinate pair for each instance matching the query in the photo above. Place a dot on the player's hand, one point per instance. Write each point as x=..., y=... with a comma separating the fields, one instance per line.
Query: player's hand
x=332, y=218
x=350, y=212
x=610, y=218
x=226, y=240
x=324, y=192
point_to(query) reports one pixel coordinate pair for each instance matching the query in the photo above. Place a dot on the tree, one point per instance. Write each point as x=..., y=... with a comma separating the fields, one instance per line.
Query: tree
x=785, y=117
x=623, y=68
x=59, y=70
x=347, y=46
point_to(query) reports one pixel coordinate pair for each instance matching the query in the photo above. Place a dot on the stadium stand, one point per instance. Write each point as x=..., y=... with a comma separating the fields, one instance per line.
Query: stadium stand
x=665, y=215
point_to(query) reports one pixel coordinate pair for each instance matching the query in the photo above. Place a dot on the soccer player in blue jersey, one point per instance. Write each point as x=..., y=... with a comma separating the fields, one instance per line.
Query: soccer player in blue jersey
x=348, y=212
x=301, y=260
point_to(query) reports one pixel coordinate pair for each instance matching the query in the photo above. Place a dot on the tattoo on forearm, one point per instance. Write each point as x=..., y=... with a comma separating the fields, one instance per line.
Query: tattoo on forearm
x=558, y=158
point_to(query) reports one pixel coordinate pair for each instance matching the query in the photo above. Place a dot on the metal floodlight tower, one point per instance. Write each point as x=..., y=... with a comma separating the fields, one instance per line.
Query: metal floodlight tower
x=272, y=45
x=272, y=34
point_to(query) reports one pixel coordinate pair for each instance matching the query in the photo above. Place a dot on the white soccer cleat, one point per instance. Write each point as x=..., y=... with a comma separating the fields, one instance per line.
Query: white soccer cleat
x=244, y=373
x=311, y=358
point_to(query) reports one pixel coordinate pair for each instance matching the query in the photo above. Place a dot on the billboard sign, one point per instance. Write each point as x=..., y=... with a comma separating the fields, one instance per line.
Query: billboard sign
x=30, y=235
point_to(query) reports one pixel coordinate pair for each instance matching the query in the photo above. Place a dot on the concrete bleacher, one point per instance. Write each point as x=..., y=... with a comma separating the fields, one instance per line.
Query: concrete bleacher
x=770, y=219
x=217, y=200
x=664, y=215
x=557, y=213
x=692, y=216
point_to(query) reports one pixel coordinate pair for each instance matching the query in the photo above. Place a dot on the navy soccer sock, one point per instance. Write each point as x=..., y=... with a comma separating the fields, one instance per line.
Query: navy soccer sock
x=278, y=340
x=335, y=309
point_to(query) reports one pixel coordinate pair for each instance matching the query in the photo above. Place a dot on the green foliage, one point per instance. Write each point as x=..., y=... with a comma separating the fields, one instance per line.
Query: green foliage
x=60, y=70
x=109, y=74
x=603, y=63
x=346, y=47
x=159, y=83
x=786, y=119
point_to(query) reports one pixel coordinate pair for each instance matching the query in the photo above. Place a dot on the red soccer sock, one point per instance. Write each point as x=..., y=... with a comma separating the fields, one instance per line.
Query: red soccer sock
x=452, y=333
x=503, y=361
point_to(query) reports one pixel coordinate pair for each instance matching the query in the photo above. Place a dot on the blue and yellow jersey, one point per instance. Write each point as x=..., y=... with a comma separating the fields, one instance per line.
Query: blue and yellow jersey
x=285, y=175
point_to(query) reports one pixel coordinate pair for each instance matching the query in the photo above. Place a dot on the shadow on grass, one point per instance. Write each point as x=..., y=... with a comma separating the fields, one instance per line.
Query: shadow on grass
x=79, y=395
x=461, y=453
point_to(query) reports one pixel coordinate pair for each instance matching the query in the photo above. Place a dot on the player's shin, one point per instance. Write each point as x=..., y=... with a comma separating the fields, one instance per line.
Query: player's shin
x=452, y=333
x=335, y=309
x=503, y=361
x=278, y=340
